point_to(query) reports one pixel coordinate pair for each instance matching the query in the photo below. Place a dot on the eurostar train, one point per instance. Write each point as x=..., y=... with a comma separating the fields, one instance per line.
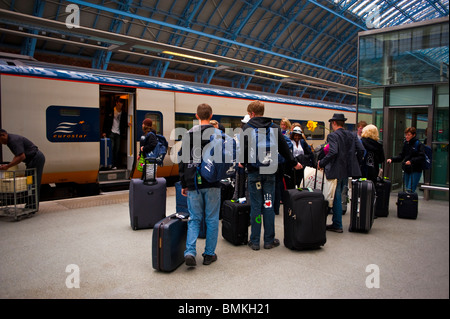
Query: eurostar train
x=62, y=110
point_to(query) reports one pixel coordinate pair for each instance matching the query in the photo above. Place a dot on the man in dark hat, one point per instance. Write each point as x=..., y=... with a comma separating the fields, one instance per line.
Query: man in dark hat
x=341, y=162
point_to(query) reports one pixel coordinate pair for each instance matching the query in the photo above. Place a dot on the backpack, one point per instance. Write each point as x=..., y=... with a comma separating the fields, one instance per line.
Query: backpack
x=281, y=159
x=160, y=150
x=428, y=155
x=263, y=149
x=218, y=158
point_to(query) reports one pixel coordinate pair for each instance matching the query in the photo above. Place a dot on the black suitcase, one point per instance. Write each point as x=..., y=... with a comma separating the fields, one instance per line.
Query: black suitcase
x=235, y=222
x=147, y=203
x=169, y=242
x=362, y=208
x=383, y=193
x=305, y=217
x=407, y=205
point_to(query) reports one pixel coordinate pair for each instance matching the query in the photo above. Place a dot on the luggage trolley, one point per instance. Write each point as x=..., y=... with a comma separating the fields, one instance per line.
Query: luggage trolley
x=18, y=193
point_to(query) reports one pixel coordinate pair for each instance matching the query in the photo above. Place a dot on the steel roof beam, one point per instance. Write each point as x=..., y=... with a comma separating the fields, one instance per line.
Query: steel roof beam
x=257, y=49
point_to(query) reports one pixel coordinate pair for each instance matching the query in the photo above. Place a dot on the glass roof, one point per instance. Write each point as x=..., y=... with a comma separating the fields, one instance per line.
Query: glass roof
x=386, y=13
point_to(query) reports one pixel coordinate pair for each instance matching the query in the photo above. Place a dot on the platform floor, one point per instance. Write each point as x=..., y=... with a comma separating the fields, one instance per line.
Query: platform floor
x=94, y=233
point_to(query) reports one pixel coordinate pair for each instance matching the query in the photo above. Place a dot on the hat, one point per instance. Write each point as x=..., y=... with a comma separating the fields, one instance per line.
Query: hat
x=338, y=117
x=147, y=122
x=246, y=119
x=297, y=130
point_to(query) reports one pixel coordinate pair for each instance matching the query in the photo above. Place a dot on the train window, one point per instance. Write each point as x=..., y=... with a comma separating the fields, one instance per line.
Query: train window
x=185, y=120
x=156, y=118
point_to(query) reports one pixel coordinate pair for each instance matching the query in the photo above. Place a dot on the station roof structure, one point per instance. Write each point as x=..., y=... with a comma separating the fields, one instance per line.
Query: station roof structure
x=304, y=48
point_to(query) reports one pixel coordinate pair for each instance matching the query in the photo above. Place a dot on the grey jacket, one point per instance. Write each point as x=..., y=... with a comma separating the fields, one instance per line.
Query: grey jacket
x=344, y=157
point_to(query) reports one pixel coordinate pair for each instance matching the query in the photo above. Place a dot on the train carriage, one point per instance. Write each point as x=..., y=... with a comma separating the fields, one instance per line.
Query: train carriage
x=62, y=108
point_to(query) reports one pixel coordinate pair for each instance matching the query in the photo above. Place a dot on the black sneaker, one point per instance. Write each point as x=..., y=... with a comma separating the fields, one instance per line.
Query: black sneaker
x=274, y=244
x=253, y=246
x=208, y=259
x=190, y=261
x=335, y=229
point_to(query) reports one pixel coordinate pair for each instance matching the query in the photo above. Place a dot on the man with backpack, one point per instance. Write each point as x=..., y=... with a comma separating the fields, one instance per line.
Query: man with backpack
x=203, y=197
x=261, y=135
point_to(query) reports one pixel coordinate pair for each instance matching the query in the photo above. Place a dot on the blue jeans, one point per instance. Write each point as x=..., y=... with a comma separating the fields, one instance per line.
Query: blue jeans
x=204, y=202
x=337, y=203
x=412, y=180
x=261, y=189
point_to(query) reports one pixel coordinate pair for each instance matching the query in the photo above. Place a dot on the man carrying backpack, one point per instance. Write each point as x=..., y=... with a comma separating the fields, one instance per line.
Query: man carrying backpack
x=261, y=172
x=203, y=197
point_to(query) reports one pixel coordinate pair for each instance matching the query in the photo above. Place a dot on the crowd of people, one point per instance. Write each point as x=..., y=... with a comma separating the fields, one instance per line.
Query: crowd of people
x=348, y=154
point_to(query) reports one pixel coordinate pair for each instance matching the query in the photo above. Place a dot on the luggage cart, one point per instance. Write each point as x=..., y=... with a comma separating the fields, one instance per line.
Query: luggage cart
x=18, y=193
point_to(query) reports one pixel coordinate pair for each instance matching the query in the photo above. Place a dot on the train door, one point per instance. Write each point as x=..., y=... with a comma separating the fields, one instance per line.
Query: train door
x=117, y=127
x=398, y=119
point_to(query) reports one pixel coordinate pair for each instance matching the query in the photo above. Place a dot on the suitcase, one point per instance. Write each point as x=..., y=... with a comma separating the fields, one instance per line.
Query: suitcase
x=169, y=242
x=383, y=193
x=105, y=152
x=147, y=203
x=362, y=208
x=407, y=205
x=305, y=216
x=235, y=222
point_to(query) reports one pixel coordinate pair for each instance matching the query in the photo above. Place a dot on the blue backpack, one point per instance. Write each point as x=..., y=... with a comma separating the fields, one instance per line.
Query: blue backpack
x=428, y=155
x=219, y=157
x=263, y=149
x=160, y=150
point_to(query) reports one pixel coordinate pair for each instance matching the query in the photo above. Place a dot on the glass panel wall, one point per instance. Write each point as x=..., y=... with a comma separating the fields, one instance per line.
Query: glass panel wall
x=403, y=71
x=411, y=56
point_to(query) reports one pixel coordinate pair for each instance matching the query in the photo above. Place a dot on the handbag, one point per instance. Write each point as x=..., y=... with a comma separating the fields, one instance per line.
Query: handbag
x=313, y=180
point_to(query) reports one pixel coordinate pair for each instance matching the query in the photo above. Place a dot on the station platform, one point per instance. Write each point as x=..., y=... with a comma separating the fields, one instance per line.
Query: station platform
x=398, y=259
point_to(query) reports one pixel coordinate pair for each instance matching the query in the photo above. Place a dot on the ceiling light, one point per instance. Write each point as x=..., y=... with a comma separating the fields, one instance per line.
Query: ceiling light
x=272, y=73
x=189, y=56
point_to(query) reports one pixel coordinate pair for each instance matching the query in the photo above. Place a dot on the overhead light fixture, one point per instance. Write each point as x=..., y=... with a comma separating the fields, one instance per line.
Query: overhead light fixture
x=189, y=56
x=272, y=73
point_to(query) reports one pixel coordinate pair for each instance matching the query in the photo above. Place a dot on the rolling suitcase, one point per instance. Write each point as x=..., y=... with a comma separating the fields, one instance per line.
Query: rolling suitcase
x=362, y=208
x=407, y=204
x=305, y=213
x=147, y=203
x=383, y=193
x=305, y=217
x=235, y=222
x=169, y=242
x=105, y=153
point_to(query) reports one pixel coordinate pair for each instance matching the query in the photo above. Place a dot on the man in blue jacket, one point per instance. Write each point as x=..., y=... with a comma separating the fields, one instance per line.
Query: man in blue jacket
x=341, y=162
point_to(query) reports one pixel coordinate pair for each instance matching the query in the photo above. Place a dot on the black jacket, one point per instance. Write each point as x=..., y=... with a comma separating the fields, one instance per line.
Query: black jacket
x=149, y=142
x=345, y=155
x=373, y=159
x=413, y=154
x=283, y=148
x=109, y=119
x=188, y=170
